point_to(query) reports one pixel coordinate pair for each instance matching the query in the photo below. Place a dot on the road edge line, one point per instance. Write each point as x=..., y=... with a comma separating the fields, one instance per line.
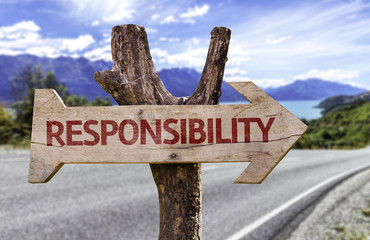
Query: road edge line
x=251, y=227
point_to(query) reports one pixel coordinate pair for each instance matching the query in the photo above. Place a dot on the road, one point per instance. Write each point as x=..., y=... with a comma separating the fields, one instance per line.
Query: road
x=120, y=201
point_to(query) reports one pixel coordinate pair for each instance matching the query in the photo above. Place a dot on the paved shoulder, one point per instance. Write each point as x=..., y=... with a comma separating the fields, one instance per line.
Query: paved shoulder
x=340, y=213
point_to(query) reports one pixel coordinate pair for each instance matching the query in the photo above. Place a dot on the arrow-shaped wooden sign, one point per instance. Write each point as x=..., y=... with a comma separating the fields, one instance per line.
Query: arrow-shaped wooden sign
x=260, y=133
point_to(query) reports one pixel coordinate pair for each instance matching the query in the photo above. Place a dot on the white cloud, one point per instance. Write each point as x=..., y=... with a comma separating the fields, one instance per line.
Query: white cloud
x=102, y=10
x=195, y=12
x=273, y=41
x=75, y=55
x=234, y=72
x=21, y=30
x=330, y=74
x=103, y=53
x=155, y=17
x=238, y=55
x=236, y=78
x=119, y=16
x=95, y=23
x=158, y=54
x=192, y=58
x=260, y=82
x=169, y=19
x=164, y=39
x=106, y=39
x=151, y=30
x=25, y=37
x=195, y=41
x=189, y=20
x=270, y=82
x=44, y=51
x=78, y=44
x=10, y=52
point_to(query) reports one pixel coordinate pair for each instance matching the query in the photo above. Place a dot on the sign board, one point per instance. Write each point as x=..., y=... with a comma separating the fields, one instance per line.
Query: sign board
x=260, y=133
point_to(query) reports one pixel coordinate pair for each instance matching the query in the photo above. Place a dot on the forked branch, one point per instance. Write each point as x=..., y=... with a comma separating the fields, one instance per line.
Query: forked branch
x=133, y=80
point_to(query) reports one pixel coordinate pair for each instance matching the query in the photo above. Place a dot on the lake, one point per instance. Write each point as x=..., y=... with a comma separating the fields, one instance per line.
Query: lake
x=301, y=109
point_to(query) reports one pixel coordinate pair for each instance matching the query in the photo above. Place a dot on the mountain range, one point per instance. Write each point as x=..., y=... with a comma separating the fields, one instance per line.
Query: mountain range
x=312, y=89
x=78, y=75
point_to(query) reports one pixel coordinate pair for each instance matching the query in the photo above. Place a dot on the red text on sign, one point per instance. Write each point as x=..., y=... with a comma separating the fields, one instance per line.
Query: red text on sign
x=177, y=131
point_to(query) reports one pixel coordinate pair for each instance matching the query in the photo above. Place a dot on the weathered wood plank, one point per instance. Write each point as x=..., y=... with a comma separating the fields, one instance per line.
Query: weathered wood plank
x=133, y=80
x=261, y=132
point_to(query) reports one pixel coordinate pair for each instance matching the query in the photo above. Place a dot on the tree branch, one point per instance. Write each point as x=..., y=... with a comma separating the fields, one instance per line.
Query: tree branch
x=133, y=80
x=208, y=91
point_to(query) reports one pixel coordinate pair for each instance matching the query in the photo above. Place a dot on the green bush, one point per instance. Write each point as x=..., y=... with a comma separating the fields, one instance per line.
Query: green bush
x=347, y=128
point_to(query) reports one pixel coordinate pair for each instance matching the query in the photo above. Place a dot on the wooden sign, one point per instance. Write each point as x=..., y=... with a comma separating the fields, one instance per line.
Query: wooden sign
x=260, y=133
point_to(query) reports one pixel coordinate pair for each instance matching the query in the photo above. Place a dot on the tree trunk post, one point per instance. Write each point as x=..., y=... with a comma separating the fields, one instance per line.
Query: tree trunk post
x=133, y=80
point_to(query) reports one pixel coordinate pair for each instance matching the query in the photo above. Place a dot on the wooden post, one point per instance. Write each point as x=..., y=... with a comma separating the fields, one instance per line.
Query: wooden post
x=133, y=80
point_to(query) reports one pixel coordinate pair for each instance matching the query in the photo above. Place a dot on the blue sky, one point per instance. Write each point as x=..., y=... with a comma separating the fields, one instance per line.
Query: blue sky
x=272, y=42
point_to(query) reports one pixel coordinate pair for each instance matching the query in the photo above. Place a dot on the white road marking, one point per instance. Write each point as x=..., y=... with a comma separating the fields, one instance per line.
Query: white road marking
x=250, y=228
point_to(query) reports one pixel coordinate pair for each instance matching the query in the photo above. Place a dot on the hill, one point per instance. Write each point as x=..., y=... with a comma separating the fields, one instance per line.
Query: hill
x=312, y=89
x=348, y=127
x=340, y=102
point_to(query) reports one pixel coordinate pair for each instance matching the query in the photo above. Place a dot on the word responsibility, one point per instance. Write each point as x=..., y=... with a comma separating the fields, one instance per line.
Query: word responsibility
x=169, y=131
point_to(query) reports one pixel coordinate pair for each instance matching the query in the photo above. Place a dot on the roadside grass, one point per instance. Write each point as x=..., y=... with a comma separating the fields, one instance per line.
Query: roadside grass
x=346, y=233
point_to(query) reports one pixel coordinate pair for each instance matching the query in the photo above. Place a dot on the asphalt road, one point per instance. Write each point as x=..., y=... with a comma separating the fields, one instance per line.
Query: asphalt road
x=120, y=201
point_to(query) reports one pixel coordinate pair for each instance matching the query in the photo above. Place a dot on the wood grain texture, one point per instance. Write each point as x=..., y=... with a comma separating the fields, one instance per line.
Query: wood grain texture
x=285, y=130
x=134, y=80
